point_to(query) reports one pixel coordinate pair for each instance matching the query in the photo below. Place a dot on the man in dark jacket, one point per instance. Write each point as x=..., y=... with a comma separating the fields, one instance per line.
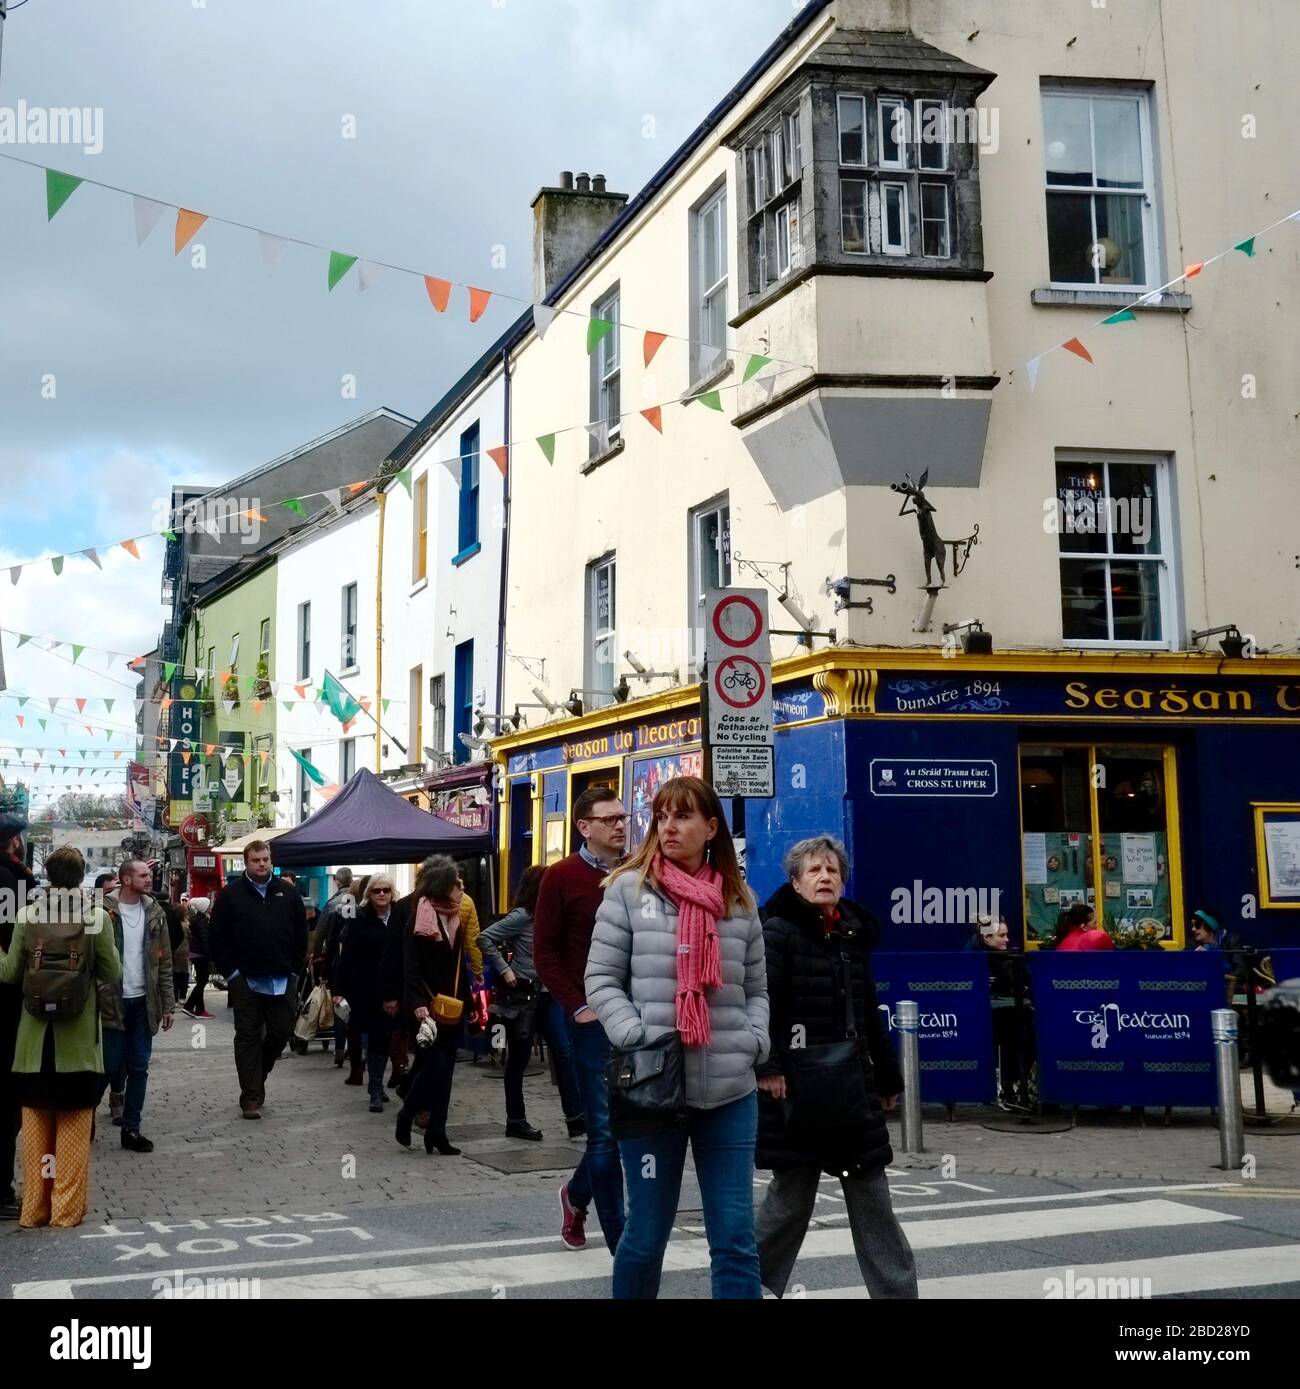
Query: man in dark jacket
x=16, y=881
x=819, y=983
x=258, y=938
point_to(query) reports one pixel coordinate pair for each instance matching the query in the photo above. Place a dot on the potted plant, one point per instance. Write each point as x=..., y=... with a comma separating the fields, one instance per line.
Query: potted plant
x=263, y=688
x=230, y=690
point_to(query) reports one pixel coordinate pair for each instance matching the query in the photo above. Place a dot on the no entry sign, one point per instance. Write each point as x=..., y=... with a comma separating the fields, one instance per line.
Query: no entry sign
x=738, y=651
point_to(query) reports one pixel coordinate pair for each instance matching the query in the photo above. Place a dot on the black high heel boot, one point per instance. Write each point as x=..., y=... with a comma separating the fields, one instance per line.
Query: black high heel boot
x=438, y=1142
x=375, y=1066
x=403, y=1131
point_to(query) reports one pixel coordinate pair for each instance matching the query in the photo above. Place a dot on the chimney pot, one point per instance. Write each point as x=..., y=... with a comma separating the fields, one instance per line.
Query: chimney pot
x=566, y=179
x=598, y=184
x=584, y=183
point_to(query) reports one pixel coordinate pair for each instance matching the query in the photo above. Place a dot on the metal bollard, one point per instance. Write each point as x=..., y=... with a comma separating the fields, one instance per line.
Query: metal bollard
x=907, y=1016
x=1223, y=1028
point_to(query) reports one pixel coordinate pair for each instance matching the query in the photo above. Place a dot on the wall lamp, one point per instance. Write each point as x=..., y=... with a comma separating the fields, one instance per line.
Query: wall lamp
x=1233, y=644
x=975, y=641
x=641, y=673
x=543, y=702
x=484, y=718
x=471, y=741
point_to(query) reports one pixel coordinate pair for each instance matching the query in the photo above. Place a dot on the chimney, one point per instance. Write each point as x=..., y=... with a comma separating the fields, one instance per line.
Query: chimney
x=567, y=222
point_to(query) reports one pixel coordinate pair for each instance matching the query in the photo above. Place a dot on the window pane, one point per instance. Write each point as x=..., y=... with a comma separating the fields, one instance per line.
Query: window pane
x=1054, y=795
x=1134, y=514
x=931, y=136
x=1134, y=840
x=893, y=131
x=934, y=219
x=1081, y=508
x=1119, y=235
x=1083, y=600
x=1069, y=140
x=852, y=132
x=853, y=213
x=1135, y=599
x=1118, y=137
x=895, y=234
x=794, y=143
x=710, y=244
x=1069, y=238
x=715, y=328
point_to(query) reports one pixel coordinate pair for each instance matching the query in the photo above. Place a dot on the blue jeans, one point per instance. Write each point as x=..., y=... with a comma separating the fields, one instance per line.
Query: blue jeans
x=722, y=1141
x=126, y=1060
x=599, y=1175
x=552, y=1025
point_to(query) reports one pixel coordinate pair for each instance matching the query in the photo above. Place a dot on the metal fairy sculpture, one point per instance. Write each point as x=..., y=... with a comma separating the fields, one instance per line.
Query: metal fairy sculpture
x=931, y=542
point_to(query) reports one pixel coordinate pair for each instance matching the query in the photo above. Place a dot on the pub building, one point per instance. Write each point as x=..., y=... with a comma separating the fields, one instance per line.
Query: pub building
x=1019, y=782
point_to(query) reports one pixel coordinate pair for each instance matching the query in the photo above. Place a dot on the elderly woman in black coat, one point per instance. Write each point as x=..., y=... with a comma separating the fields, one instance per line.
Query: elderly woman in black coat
x=831, y=1075
x=358, y=977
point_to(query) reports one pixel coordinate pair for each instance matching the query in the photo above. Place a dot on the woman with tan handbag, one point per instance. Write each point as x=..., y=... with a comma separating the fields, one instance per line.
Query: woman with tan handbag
x=441, y=963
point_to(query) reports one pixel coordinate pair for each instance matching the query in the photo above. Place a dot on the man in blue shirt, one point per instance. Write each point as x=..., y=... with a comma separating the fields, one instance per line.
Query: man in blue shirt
x=258, y=940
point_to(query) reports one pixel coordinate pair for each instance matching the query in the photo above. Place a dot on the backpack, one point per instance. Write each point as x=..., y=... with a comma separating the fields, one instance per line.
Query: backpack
x=56, y=977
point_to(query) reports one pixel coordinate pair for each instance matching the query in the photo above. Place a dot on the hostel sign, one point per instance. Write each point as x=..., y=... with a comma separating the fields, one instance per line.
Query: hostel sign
x=738, y=656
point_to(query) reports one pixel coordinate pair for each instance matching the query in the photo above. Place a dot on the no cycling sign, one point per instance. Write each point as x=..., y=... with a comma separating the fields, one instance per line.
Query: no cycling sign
x=737, y=648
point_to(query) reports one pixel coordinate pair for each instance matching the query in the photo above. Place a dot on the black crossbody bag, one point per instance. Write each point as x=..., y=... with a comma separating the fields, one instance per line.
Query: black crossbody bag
x=827, y=1084
x=647, y=1088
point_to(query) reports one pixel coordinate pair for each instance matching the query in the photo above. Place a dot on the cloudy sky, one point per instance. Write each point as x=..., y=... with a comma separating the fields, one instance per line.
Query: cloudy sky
x=160, y=372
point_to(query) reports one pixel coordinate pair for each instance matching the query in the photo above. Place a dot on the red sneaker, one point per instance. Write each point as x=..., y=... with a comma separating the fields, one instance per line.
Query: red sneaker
x=571, y=1232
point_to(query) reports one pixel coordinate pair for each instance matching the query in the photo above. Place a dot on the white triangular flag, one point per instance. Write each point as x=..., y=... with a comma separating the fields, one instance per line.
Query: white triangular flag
x=596, y=432
x=543, y=317
x=452, y=465
x=1031, y=371
x=367, y=274
x=14, y=571
x=92, y=557
x=147, y=213
x=271, y=248
x=109, y=658
x=334, y=495
x=768, y=384
x=228, y=705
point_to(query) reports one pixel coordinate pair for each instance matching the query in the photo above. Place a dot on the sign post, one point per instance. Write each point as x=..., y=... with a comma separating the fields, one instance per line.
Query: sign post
x=736, y=693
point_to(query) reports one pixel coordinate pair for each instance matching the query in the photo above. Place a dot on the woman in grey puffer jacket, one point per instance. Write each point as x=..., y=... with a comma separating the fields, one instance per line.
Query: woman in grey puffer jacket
x=678, y=946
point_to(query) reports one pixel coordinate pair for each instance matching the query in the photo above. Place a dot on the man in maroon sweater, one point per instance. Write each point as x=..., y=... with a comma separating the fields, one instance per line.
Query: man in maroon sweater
x=563, y=922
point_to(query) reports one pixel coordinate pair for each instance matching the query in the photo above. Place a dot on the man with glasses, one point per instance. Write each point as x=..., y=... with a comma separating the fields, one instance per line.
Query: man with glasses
x=563, y=922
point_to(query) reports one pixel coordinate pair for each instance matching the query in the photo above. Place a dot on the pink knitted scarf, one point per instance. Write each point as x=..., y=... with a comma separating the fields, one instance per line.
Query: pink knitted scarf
x=698, y=899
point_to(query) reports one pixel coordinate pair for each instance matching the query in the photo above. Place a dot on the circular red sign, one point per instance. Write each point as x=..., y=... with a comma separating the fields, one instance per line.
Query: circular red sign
x=739, y=681
x=734, y=604
x=194, y=831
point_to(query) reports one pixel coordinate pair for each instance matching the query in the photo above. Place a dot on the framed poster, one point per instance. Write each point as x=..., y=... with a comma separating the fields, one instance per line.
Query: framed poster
x=1277, y=853
x=554, y=852
x=648, y=775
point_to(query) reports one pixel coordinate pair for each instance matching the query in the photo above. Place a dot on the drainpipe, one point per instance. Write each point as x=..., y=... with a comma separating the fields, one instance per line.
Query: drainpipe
x=499, y=889
x=381, y=498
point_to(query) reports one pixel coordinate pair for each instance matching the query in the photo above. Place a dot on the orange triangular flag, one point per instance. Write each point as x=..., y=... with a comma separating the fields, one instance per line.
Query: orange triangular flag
x=187, y=223
x=501, y=457
x=1079, y=350
x=209, y=748
x=357, y=486
x=478, y=301
x=185, y=757
x=81, y=705
x=655, y=415
x=653, y=342
x=1194, y=269
x=439, y=292
x=259, y=705
x=22, y=719
x=116, y=755
x=348, y=725
x=131, y=548
x=302, y=691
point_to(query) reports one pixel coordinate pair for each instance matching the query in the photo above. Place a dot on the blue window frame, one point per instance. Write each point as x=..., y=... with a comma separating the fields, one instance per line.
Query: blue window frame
x=468, y=530
x=464, y=709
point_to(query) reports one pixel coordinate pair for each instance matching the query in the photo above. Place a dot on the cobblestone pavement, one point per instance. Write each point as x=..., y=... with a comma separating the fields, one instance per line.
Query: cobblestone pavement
x=319, y=1147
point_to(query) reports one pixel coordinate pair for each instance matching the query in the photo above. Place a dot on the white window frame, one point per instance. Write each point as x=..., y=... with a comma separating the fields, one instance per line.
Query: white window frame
x=764, y=270
x=1152, y=253
x=1165, y=560
x=234, y=653
x=304, y=786
x=415, y=714
x=264, y=642
x=886, y=247
x=793, y=135
x=865, y=161
x=607, y=361
x=757, y=175
x=775, y=138
x=894, y=103
x=347, y=753
x=865, y=249
x=789, y=250
x=437, y=713
x=922, y=220
x=708, y=356
x=598, y=635
x=303, y=651
x=699, y=517
x=348, y=651
x=918, y=131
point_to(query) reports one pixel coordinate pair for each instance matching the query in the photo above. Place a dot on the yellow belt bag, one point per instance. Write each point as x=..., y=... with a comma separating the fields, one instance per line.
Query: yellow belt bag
x=448, y=1008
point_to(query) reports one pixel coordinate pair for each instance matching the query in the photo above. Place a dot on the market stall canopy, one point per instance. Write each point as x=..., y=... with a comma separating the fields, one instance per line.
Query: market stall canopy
x=369, y=823
x=234, y=848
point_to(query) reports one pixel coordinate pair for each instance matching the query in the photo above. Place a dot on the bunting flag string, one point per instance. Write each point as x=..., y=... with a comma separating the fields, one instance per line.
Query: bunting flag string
x=59, y=187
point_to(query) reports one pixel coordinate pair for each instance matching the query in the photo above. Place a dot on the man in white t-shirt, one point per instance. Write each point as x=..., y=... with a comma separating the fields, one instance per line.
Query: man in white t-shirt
x=147, y=997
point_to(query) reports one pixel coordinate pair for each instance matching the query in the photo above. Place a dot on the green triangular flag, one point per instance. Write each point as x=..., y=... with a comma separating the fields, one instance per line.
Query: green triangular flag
x=598, y=329
x=311, y=771
x=1248, y=246
x=756, y=364
x=404, y=477
x=295, y=505
x=76, y=653
x=546, y=442
x=42, y=723
x=339, y=266
x=108, y=705
x=288, y=704
x=22, y=699
x=385, y=703
x=1124, y=316
x=169, y=669
x=58, y=189
x=710, y=398
x=57, y=562
x=168, y=535
x=341, y=703
x=23, y=638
